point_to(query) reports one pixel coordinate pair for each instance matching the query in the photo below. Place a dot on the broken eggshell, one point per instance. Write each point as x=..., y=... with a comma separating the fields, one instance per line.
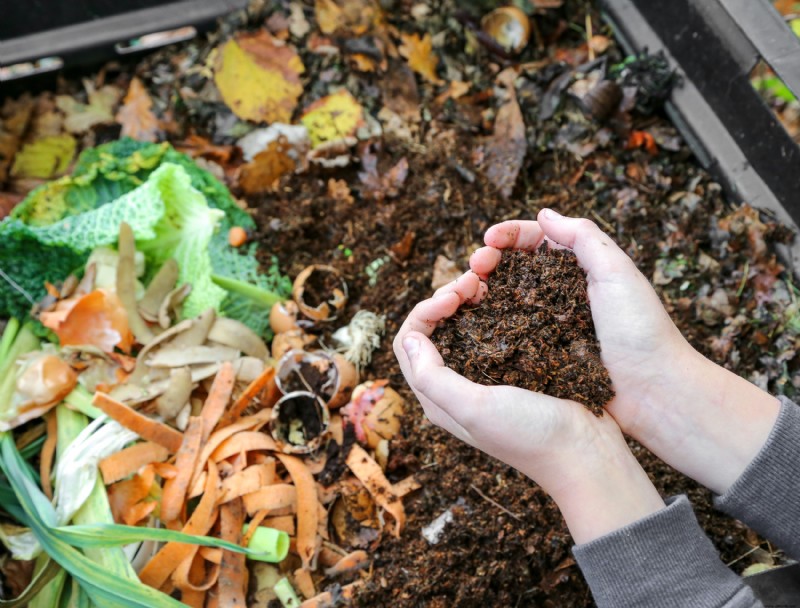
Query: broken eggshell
x=332, y=377
x=294, y=339
x=42, y=382
x=320, y=292
x=375, y=411
x=509, y=27
x=283, y=316
x=298, y=423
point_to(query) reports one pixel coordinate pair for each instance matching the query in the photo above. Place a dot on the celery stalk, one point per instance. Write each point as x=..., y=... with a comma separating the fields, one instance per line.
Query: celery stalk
x=81, y=400
x=24, y=342
x=96, y=508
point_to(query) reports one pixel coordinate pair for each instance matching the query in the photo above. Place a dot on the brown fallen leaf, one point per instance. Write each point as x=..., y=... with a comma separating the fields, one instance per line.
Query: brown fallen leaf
x=258, y=77
x=339, y=191
x=347, y=17
x=505, y=149
x=7, y=202
x=136, y=114
x=266, y=169
x=379, y=187
x=444, y=272
x=419, y=53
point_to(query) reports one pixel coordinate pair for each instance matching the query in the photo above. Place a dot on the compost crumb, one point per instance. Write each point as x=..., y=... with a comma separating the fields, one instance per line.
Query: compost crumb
x=533, y=330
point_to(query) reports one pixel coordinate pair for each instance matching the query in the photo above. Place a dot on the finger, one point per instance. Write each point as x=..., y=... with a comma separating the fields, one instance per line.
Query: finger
x=483, y=289
x=516, y=234
x=426, y=315
x=442, y=419
x=430, y=379
x=484, y=261
x=465, y=286
x=597, y=253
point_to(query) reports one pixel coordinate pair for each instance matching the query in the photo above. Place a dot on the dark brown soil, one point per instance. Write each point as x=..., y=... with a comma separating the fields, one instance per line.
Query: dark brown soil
x=533, y=330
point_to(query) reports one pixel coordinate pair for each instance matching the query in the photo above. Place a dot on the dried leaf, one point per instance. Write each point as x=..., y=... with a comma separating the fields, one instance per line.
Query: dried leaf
x=136, y=114
x=333, y=118
x=259, y=77
x=267, y=168
x=347, y=17
x=298, y=24
x=444, y=272
x=45, y=158
x=379, y=187
x=421, y=59
x=505, y=149
x=81, y=117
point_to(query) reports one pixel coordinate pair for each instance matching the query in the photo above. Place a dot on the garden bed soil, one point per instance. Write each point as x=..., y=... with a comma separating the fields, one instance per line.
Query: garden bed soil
x=533, y=330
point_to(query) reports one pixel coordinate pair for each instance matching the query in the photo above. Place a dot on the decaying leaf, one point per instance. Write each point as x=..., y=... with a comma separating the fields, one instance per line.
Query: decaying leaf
x=333, y=118
x=80, y=117
x=263, y=173
x=298, y=24
x=379, y=187
x=136, y=114
x=14, y=118
x=444, y=271
x=45, y=158
x=419, y=53
x=8, y=201
x=351, y=17
x=505, y=149
x=259, y=77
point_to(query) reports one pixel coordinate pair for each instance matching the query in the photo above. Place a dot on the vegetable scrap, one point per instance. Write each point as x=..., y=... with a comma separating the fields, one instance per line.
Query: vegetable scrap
x=199, y=437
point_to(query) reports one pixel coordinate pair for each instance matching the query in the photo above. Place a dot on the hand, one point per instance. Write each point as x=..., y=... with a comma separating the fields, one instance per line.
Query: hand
x=698, y=417
x=581, y=460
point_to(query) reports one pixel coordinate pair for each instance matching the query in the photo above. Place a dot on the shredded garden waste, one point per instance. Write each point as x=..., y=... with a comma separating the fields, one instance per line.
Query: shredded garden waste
x=154, y=450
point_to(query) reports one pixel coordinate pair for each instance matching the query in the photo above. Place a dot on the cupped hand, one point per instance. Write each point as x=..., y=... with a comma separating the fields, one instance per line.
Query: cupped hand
x=698, y=417
x=532, y=432
x=639, y=343
x=579, y=459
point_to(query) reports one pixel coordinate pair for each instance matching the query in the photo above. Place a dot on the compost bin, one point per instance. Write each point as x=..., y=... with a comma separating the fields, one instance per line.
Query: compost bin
x=325, y=166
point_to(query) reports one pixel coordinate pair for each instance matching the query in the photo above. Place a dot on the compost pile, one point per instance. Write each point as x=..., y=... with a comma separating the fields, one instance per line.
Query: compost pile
x=533, y=330
x=380, y=142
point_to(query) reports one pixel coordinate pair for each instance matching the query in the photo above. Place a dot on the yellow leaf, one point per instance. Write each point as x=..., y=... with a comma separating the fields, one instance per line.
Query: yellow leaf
x=45, y=158
x=419, y=52
x=80, y=117
x=333, y=118
x=136, y=116
x=347, y=17
x=259, y=77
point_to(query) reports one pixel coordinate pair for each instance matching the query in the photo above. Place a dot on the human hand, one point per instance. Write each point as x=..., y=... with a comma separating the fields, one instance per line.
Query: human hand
x=698, y=417
x=579, y=459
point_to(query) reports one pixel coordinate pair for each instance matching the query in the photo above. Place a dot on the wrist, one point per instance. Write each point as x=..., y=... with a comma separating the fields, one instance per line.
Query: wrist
x=603, y=490
x=709, y=423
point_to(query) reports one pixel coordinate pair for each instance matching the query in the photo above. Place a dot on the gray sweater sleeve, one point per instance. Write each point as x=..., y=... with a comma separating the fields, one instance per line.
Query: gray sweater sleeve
x=767, y=495
x=662, y=561
x=666, y=560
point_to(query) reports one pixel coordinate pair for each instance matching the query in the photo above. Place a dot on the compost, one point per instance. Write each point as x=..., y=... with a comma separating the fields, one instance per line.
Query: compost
x=533, y=330
x=454, y=143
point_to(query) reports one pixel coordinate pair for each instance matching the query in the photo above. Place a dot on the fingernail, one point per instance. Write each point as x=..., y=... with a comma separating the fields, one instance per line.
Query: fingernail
x=411, y=346
x=552, y=215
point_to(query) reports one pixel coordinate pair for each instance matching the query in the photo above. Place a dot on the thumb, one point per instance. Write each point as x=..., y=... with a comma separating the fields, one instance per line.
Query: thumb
x=597, y=253
x=431, y=380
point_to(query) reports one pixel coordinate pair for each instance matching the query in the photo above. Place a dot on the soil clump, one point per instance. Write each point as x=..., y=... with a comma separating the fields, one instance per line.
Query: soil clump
x=533, y=330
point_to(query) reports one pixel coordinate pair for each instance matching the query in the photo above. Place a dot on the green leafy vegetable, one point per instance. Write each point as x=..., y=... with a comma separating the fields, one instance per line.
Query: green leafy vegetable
x=44, y=240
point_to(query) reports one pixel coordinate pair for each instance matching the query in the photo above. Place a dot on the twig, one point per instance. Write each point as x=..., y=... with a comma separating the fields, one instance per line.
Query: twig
x=741, y=557
x=495, y=503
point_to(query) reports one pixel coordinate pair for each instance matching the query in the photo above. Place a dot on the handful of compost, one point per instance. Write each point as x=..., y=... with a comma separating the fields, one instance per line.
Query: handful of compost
x=533, y=330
